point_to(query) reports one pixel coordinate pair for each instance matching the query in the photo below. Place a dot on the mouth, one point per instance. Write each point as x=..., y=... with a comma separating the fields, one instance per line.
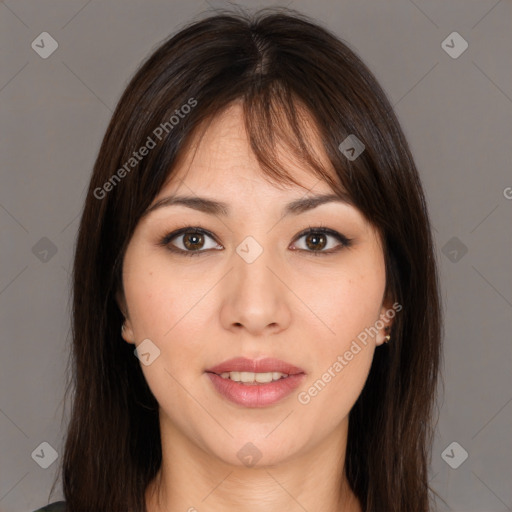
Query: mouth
x=255, y=383
x=241, y=369
x=252, y=378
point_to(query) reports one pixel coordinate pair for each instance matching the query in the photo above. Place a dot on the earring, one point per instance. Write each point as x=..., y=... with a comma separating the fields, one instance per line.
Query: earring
x=123, y=328
x=387, y=337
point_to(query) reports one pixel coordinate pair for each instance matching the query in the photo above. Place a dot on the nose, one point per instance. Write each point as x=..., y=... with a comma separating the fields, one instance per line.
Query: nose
x=256, y=296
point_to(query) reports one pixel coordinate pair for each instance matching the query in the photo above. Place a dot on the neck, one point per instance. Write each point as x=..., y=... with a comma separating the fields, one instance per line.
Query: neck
x=190, y=479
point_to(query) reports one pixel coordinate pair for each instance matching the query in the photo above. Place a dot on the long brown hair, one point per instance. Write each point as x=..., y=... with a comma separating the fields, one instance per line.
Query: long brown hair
x=277, y=63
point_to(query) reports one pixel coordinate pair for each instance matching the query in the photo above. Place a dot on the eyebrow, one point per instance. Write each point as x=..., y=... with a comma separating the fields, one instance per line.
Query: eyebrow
x=212, y=207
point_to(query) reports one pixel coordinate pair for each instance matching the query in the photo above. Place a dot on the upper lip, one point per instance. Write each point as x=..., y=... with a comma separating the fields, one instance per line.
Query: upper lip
x=268, y=364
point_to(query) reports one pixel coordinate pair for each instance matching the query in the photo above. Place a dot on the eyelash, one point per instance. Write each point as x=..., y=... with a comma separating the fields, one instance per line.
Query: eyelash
x=165, y=241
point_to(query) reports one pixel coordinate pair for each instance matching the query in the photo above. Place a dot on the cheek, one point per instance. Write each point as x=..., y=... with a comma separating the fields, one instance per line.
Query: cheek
x=346, y=305
x=171, y=309
x=157, y=297
x=342, y=305
x=329, y=396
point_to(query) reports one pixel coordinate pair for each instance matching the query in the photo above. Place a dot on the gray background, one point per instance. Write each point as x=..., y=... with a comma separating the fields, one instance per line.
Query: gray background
x=456, y=113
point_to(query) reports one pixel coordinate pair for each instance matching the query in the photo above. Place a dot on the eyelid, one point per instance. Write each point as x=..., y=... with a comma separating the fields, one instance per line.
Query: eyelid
x=165, y=241
x=344, y=242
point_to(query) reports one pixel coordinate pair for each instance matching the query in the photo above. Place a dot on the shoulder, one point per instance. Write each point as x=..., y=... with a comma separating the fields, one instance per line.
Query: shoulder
x=56, y=506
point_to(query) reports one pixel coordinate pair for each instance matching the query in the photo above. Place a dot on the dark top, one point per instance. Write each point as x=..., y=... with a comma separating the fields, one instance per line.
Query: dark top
x=56, y=506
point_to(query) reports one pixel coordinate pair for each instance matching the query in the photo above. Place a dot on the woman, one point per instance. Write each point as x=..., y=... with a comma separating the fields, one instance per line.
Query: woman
x=256, y=320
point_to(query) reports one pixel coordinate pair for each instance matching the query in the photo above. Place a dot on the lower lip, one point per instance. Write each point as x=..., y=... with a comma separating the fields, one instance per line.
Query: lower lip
x=257, y=395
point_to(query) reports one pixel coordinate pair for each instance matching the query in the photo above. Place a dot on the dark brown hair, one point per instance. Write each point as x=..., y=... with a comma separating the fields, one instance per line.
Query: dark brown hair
x=289, y=74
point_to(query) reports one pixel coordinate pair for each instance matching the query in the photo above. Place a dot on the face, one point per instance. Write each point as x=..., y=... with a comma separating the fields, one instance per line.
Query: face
x=252, y=282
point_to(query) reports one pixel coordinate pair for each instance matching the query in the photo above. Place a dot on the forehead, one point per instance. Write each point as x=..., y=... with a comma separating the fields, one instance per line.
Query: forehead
x=219, y=174
x=219, y=157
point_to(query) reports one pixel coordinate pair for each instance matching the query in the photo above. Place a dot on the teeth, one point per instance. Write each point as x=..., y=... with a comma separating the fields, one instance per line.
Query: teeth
x=251, y=378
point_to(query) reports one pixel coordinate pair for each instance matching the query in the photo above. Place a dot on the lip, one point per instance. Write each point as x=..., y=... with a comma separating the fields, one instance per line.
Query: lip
x=255, y=395
x=268, y=364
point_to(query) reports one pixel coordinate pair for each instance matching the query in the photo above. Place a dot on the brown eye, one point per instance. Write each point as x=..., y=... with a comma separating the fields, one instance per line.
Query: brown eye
x=316, y=241
x=193, y=240
x=189, y=241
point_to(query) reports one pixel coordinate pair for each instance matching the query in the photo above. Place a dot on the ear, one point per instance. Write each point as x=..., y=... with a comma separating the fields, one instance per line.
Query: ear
x=387, y=313
x=127, y=329
x=127, y=332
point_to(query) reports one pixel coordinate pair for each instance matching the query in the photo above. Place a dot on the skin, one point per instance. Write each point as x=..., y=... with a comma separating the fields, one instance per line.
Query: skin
x=289, y=304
